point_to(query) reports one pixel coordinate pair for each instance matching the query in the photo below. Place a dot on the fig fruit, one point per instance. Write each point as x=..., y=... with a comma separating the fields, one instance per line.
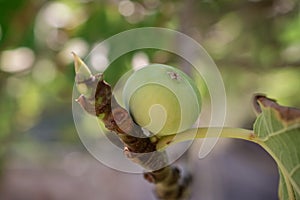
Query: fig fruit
x=162, y=99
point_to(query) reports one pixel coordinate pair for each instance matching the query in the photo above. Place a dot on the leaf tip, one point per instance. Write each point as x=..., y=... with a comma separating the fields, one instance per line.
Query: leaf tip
x=257, y=101
x=260, y=101
x=80, y=67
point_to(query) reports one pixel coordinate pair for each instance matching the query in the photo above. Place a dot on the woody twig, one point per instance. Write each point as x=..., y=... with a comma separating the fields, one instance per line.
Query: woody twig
x=96, y=99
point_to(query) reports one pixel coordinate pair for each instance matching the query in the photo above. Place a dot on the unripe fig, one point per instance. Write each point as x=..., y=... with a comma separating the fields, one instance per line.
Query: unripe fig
x=162, y=99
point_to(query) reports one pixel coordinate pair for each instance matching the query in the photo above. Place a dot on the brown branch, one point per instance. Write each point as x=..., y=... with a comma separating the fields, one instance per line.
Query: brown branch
x=169, y=183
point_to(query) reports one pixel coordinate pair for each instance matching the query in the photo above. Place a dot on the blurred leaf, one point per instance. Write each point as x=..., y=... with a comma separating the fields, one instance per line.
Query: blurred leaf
x=8, y=9
x=291, y=30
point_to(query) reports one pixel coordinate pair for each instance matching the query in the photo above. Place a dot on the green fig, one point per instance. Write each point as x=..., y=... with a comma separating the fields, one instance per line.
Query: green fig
x=162, y=99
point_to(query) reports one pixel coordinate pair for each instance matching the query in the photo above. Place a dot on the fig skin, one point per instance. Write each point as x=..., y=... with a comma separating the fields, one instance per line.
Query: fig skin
x=162, y=99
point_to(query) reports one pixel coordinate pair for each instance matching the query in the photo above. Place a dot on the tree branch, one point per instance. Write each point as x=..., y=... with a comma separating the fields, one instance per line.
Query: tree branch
x=168, y=181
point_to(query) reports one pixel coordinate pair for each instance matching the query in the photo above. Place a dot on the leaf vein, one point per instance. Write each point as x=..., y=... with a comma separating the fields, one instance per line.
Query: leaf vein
x=294, y=170
x=280, y=132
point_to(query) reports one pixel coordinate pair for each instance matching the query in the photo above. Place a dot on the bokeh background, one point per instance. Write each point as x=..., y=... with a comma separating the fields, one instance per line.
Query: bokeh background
x=255, y=44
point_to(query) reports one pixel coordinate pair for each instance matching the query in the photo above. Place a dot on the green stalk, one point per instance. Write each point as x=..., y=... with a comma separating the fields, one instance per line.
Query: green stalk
x=196, y=133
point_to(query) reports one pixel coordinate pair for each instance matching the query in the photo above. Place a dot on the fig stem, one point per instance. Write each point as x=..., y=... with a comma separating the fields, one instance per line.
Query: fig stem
x=197, y=133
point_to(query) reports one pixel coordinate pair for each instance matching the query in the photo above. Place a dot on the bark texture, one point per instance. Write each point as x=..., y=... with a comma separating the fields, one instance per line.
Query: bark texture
x=168, y=181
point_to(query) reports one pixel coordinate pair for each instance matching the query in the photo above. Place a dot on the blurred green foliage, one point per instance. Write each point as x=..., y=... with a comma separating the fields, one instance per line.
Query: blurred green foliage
x=255, y=44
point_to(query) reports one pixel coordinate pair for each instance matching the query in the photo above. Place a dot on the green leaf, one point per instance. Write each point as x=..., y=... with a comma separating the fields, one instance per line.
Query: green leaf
x=278, y=131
